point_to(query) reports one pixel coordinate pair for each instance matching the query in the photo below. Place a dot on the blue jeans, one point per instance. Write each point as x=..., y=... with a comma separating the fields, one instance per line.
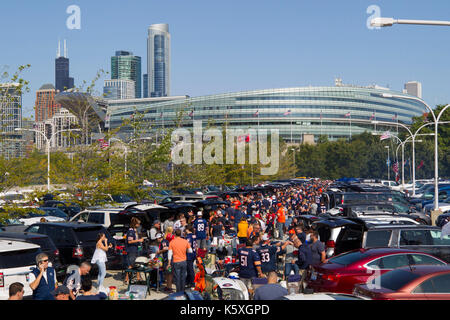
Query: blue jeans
x=280, y=230
x=289, y=267
x=101, y=273
x=180, y=273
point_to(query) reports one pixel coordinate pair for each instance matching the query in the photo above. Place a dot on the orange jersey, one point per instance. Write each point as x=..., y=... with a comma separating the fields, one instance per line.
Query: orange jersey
x=281, y=216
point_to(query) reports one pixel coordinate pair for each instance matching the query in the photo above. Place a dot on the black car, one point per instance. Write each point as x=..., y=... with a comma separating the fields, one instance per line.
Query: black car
x=46, y=244
x=76, y=241
x=69, y=208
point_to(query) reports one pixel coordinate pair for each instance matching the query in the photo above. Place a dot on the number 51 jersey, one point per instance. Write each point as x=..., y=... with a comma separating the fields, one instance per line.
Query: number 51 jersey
x=247, y=258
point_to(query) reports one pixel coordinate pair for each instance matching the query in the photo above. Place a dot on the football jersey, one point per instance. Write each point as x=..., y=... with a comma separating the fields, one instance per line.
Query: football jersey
x=200, y=226
x=247, y=258
x=268, y=256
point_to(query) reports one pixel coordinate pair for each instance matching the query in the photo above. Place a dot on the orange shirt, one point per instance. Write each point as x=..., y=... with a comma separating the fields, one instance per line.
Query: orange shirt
x=179, y=247
x=281, y=215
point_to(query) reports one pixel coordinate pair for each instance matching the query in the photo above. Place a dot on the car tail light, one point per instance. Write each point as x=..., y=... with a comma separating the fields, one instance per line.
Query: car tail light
x=330, y=244
x=2, y=280
x=77, y=253
x=331, y=277
x=56, y=253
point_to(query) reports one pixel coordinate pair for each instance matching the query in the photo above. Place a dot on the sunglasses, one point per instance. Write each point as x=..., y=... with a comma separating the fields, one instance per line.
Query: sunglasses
x=46, y=260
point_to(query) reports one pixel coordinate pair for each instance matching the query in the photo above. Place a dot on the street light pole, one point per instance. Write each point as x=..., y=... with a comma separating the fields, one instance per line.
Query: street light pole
x=47, y=140
x=388, y=163
x=388, y=22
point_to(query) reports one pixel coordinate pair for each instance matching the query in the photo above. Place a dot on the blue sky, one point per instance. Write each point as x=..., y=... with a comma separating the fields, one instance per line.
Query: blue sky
x=234, y=45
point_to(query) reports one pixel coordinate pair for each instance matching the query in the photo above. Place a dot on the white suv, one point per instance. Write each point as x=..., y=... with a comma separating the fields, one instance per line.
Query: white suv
x=16, y=260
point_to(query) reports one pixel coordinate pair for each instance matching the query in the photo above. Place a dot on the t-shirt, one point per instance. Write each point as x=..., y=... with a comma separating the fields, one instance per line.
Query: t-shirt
x=131, y=235
x=281, y=215
x=316, y=249
x=217, y=230
x=268, y=256
x=247, y=258
x=190, y=237
x=179, y=247
x=271, y=291
x=242, y=229
x=99, y=296
x=164, y=244
x=200, y=227
x=73, y=281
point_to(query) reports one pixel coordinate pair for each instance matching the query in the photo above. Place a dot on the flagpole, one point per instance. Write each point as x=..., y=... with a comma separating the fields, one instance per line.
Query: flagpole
x=291, y=128
x=350, y=125
x=321, y=122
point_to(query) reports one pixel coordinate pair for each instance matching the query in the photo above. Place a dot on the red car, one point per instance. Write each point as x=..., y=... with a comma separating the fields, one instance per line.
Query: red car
x=342, y=272
x=409, y=283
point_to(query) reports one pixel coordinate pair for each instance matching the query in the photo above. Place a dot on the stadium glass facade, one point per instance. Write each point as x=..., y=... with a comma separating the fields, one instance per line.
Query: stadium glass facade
x=337, y=112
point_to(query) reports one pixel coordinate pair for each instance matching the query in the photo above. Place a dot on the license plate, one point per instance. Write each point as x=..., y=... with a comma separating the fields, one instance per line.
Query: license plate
x=314, y=276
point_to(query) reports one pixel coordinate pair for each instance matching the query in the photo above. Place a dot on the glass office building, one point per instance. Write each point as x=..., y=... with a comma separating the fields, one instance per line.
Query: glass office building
x=126, y=66
x=337, y=112
x=158, y=60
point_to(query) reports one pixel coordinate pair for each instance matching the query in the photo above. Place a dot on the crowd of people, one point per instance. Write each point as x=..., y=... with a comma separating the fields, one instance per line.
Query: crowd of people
x=259, y=230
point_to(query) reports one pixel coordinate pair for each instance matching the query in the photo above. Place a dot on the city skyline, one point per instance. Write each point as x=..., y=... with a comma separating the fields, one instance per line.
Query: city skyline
x=307, y=45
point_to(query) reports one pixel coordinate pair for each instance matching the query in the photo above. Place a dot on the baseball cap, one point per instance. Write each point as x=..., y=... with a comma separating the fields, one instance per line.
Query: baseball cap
x=158, y=235
x=156, y=221
x=199, y=213
x=265, y=237
x=61, y=290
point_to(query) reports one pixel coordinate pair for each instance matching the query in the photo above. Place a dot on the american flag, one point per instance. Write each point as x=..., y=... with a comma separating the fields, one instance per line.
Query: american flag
x=395, y=167
x=420, y=165
x=256, y=113
x=320, y=114
x=372, y=116
x=287, y=112
x=191, y=114
x=385, y=135
x=161, y=115
x=394, y=117
x=347, y=114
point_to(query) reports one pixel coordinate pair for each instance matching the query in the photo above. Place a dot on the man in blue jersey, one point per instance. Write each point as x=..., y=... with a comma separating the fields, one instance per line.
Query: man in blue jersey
x=249, y=263
x=200, y=230
x=268, y=254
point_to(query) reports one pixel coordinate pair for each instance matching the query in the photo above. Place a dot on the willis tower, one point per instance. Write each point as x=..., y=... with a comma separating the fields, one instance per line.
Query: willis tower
x=62, y=79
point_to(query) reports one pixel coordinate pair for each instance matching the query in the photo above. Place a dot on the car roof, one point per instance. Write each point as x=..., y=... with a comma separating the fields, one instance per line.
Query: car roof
x=385, y=251
x=403, y=226
x=70, y=224
x=426, y=269
x=11, y=245
x=21, y=235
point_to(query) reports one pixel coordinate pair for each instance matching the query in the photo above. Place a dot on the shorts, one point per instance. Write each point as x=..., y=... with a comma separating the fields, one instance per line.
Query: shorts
x=131, y=257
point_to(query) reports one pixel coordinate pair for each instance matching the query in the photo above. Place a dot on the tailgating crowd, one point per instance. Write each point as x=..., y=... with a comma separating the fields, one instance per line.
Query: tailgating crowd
x=262, y=228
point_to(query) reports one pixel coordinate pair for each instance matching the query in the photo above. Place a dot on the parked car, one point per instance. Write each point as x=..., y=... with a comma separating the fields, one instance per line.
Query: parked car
x=361, y=235
x=42, y=240
x=321, y=296
x=76, y=241
x=69, y=208
x=16, y=260
x=342, y=272
x=409, y=283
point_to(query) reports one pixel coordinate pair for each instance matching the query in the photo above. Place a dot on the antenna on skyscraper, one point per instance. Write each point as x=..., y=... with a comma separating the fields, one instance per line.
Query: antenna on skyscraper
x=58, y=53
x=65, y=49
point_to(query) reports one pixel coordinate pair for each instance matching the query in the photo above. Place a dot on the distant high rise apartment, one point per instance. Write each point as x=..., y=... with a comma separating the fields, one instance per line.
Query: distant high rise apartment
x=145, y=91
x=126, y=66
x=62, y=79
x=11, y=144
x=119, y=89
x=56, y=128
x=414, y=88
x=45, y=106
x=158, y=60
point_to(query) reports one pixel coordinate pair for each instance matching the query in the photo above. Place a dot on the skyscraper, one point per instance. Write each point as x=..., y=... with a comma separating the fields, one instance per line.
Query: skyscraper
x=126, y=66
x=145, y=91
x=11, y=145
x=414, y=88
x=62, y=79
x=45, y=106
x=119, y=89
x=158, y=60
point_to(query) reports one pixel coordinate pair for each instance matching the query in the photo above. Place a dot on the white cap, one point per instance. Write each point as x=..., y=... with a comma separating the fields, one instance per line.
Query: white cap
x=199, y=213
x=265, y=237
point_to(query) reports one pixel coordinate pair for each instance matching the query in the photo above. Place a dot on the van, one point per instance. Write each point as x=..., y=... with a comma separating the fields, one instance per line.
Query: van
x=17, y=258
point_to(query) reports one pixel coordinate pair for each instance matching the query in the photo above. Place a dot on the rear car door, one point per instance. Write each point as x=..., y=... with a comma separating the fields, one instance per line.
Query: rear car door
x=416, y=239
x=377, y=238
x=440, y=245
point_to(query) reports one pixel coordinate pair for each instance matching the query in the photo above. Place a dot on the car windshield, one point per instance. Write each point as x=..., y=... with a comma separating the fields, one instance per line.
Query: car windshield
x=122, y=198
x=348, y=258
x=55, y=212
x=11, y=197
x=395, y=279
x=89, y=234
